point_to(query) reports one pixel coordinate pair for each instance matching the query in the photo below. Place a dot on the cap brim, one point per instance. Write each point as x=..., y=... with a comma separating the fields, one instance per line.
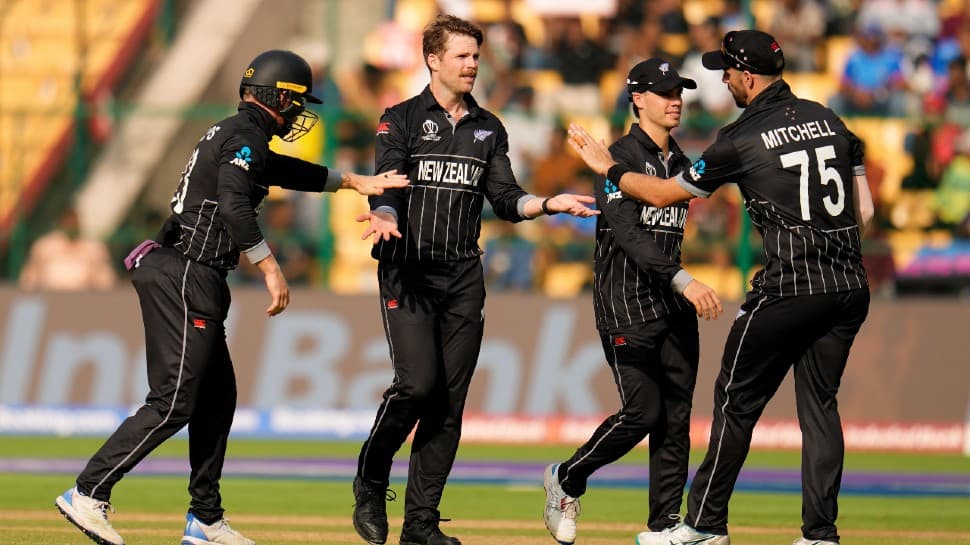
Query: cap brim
x=714, y=60
x=311, y=98
x=672, y=83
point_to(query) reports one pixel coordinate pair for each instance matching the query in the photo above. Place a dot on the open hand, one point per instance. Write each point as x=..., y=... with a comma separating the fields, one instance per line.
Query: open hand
x=574, y=205
x=595, y=154
x=380, y=224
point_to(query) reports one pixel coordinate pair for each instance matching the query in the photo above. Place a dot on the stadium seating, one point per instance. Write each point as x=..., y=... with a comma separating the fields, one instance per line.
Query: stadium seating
x=42, y=45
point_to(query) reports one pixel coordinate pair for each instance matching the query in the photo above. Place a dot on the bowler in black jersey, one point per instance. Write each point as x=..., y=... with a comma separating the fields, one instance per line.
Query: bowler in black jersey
x=455, y=154
x=800, y=171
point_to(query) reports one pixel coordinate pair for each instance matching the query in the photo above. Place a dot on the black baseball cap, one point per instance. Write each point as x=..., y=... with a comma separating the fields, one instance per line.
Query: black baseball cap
x=751, y=50
x=656, y=75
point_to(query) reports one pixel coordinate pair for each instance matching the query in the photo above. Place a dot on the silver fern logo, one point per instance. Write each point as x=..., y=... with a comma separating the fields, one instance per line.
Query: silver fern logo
x=482, y=134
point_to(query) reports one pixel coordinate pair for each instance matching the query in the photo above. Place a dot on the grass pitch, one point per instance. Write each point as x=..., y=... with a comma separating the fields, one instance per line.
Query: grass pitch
x=303, y=511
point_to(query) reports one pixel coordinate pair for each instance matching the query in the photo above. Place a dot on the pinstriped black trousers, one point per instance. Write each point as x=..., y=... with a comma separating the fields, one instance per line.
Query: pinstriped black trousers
x=654, y=366
x=771, y=334
x=433, y=316
x=190, y=378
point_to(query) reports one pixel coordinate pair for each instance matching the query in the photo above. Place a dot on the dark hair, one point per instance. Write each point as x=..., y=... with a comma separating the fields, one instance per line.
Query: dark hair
x=437, y=32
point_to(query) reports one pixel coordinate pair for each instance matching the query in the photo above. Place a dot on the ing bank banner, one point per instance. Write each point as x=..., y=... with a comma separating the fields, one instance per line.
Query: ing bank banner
x=541, y=363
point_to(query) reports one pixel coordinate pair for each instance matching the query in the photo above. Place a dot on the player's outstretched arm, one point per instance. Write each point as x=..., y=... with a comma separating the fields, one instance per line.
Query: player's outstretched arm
x=382, y=225
x=373, y=185
x=574, y=205
x=648, y=189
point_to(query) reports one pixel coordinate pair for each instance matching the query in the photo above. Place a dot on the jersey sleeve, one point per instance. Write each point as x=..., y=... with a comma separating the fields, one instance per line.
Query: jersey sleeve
x=718, y=165
x=622, y=213
x=391, y=153
x=299, y=175
x=501, y=189
x=240, y=161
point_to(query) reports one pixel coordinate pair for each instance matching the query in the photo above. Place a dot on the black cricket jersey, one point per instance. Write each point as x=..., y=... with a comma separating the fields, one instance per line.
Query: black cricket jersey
x=637, y=245
x=223, y=184
x=794, y=161
x=452, y=168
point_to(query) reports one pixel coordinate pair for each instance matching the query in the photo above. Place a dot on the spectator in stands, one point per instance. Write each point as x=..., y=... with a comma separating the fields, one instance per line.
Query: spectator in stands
x=290, y=244
x=581, y=62
x=508, y=260
x=872, y=81
x=956, y=97
x=732, y=17
x=711, y=105
x=953, y=195
x=637, y=44
x=670, y=13
x=914, y=19
x=64, y=260
x=955, y=21
x=555, y=171
x=800, y=25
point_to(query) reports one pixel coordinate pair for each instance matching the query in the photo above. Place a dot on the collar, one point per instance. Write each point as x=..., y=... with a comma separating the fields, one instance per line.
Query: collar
x=260, y=117
x=773, y=94
x=428, y=102
x=643, y=138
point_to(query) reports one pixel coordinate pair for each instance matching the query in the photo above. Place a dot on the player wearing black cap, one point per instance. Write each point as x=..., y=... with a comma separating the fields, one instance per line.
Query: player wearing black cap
x=644, y=304
x=181, y=283
x=800, y=171
x=431, y=281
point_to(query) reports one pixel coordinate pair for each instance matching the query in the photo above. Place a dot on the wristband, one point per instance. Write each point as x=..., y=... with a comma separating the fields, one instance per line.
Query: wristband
x=616, y=172
x=545, y=207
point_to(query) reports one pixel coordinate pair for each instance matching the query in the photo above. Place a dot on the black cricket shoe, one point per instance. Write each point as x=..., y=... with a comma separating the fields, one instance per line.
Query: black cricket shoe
x=370, y=510
x=426, y=532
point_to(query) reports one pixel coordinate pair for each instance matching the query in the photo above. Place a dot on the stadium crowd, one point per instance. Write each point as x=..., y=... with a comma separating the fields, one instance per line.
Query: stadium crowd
x=884, y=64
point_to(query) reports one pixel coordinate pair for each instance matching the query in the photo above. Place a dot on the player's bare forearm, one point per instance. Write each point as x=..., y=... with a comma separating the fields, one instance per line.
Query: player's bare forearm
x=864, y=207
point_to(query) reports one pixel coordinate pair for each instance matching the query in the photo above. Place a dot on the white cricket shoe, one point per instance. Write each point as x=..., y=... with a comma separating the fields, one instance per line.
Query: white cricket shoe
x=90, y=516
x=217, y=533
x=681, y=534
x=804, y=541
x=561, y=510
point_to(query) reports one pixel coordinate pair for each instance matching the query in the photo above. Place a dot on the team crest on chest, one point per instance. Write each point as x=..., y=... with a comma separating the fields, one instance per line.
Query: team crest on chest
x=430, y=129
x=649, y=169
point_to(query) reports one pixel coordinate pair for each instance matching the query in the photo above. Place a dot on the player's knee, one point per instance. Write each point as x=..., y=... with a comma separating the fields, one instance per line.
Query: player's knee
x=416, y=390
x=642, y=420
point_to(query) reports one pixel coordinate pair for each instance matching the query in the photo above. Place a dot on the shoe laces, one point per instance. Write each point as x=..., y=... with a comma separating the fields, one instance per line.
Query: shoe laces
x=369, y=494
x=104, y=507
x=569, y=507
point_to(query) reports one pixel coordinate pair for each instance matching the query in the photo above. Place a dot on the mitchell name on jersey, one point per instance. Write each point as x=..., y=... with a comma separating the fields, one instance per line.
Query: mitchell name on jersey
x=796, y=133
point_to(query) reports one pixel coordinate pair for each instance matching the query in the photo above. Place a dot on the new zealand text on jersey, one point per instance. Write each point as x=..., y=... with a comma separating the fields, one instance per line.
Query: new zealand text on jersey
x=449, y=171
x=671, y=216
x=796, y=133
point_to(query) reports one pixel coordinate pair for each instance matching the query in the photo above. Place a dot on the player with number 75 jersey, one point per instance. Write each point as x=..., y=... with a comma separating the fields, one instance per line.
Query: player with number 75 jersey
x=801, y=173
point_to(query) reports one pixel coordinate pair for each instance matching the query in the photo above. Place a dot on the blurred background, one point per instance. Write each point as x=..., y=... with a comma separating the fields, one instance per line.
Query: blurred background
x=101, y=102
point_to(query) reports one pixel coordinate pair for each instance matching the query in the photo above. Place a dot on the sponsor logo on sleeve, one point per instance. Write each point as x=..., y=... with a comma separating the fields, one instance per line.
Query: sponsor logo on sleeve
x=697, y=169
x=384, y=127
x=612, y=192
x=243, y=158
